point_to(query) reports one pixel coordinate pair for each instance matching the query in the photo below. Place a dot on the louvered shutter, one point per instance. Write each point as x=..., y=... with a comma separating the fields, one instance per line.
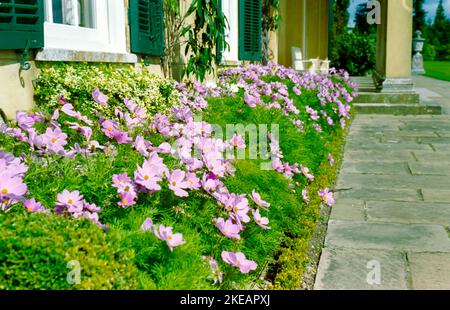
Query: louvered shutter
x=250, y=29
x=21, y=21
x=147, y=27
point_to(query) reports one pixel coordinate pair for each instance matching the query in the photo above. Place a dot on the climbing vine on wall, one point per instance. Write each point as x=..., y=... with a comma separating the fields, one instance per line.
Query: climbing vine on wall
x=203, y=37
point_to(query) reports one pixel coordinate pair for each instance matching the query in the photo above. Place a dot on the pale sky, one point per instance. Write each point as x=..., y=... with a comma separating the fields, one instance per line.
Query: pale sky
x=429, y=6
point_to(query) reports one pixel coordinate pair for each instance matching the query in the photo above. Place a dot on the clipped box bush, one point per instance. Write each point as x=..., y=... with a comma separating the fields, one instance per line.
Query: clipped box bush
x=36, y=248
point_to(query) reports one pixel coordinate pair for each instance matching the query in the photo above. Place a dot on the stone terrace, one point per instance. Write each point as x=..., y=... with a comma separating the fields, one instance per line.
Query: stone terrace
x=393, y=206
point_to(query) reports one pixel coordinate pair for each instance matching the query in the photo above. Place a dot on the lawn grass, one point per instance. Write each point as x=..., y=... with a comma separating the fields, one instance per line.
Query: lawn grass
x=438, y=69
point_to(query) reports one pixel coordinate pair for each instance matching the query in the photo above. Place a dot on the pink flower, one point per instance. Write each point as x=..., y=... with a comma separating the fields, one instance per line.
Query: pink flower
x=327, y=196
x=193, y=181
x=32, y=206
x=165, y=233
x=147, y=225
x=54, y=140
x=252, y=99
x=306, y=173
x=11, y=187
x=330, y=159
x=227, y=228
x=73, y=201
x=109, y=128
x=216, y=273
x=257, y=199
x=210, y=182
x=99, y=97
x=305, y=195
x=177, y=183
x=237, y=141
x=127, y=199
x=122, y=137
x=261, y=221
x=239, y=260
x=84, y=130
x=123, y=183
x=24, y=120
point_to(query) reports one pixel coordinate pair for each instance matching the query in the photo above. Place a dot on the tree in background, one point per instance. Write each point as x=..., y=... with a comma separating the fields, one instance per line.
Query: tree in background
x=439, y=34
x=353, y=51
x=361, y=24
x=270, y=22
x=419, y=20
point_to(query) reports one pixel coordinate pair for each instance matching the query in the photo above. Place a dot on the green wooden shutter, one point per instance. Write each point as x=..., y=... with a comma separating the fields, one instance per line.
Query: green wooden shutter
x=21, y=21
x=147, y=27
x=220, y=45
x=250, y=29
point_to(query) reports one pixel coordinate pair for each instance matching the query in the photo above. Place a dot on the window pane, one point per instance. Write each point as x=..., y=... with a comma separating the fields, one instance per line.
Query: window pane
x=74, y=12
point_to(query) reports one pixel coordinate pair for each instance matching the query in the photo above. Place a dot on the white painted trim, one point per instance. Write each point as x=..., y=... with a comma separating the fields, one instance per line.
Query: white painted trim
x=107, y=36
x=230, y=10
x=304, y=43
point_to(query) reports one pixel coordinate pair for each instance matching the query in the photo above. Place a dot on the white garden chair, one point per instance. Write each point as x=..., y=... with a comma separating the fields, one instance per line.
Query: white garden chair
x=315, y=66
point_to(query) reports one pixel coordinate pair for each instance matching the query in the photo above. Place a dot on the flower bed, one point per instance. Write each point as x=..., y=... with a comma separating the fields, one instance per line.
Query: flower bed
x=196, y=210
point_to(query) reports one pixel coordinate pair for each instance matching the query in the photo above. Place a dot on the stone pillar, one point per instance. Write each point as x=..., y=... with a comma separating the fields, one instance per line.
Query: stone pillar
x=394, y=44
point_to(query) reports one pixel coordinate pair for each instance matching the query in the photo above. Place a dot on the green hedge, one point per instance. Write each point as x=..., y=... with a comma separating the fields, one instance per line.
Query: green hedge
x=36, y=248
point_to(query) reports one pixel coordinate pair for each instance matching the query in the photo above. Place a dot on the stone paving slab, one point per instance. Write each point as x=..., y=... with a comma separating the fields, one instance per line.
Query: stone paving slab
x=408, y=212
x=390, y=148
x=420, y=168
x=387, y=236
x=378, y=155
x=375, y=167
x=346, y=269
x=379, y=194
x=433, y=195
x=430, y=271
x=393, y=181
x=348, y=209
x=431, y=156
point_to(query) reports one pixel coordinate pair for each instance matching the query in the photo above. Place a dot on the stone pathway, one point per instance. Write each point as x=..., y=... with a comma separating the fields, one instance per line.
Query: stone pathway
x=390, y=226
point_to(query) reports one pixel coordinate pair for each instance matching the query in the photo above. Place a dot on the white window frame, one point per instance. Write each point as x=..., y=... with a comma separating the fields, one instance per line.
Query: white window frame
x=230, y=10
x=107, y=36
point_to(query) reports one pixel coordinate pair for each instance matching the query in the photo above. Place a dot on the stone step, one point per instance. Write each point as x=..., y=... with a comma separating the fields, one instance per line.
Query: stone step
x=373, y=97
x=397, y=108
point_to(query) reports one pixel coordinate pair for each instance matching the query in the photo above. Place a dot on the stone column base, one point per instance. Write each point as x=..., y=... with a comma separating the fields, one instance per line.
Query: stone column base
x=393, y=85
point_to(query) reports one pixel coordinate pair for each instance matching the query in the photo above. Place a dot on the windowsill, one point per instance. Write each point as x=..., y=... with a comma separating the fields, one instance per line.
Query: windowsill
x=53, y=54
x=230, y=63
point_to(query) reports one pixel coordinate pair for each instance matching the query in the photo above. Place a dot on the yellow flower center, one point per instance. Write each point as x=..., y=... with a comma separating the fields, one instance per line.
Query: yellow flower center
x=127, y=188
x=124, y=201
x=174, y=183
x=70, y=201
x=54, y=140
x=146, y=177
x=4, y=191
x=238, y=262
x=169, y=237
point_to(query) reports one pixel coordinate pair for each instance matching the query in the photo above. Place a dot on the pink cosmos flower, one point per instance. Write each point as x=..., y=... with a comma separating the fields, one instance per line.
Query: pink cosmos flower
x=127, y=199
x=317, y=127
x=99, y=97
x=165, y=233
x=257, y=199
x=147, y=225
x=109, y=128
x=239, y=260
x=122, y=137
x=123, y=183
x=331, y=159
x=177, y=183
x=306, y=173
x=192, y=180
x=73, y=201
x=54, y=140
x=228, y=228
x=327, y=196
x=305, y=195
x=11, y=187
x=25, y=120
x=84, y=130
x=261, y=221
x=32, y=206
x=215, y=271
x=142, y=146
x=237, y=141
x=210, y=182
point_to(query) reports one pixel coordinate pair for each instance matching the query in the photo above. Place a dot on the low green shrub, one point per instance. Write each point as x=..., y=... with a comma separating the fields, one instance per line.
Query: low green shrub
x=75, y=81
x=35, y=250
